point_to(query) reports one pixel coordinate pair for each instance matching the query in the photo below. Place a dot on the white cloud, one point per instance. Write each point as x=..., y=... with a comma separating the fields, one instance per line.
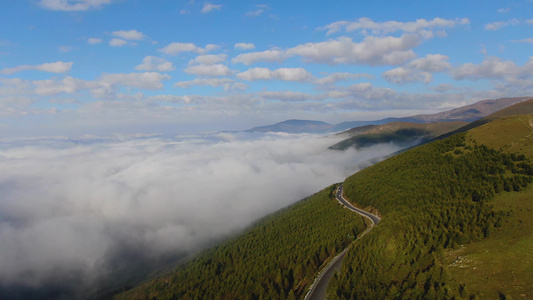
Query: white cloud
x=94, y=41
x=129, y=34
x=176, y=48
x=504, y=10
x=55, y=67
x=146, y=80
x=227, y=83
x=66, y=85
x=209, y=59
x=284, y=74
x=65, y=49
x=209, y=7
x=490, y=68
x=292, y=74
x=152, y=63
x=335, y=77
x=500, y=24
x=255, y=74
x=402, y=75
x=393, y=26
x=73, y=5
x=244, y=46
x=255, y=13
x=117, y=42
x=209, y=70
x=371, y=51
x=529, y=40
x=431, y=63
x=288, y=96
x=72, y=212
x=214, y=82
x=264, y=56
x=507, y=76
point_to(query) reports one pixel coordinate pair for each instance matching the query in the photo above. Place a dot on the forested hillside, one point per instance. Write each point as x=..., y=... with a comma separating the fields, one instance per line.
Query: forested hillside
x=277, y=258
x=432, y=198
x=443, y=206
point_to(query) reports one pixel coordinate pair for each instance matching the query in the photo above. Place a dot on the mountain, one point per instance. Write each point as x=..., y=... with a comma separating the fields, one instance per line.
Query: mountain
x=455, y=224
x=472, y=112
x=466, y=113
x=456, y=218
x=401, y=133
x=295, y=126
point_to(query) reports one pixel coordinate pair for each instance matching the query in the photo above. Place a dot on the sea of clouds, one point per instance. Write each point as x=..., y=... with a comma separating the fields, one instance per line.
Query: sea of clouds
x=79, y=215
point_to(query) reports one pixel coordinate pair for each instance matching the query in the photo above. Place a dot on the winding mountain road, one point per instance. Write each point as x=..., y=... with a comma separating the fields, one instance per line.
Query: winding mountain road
x=318, y=289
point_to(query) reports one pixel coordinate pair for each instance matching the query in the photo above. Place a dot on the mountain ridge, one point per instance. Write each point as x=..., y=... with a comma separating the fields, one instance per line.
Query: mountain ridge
x=466, y=113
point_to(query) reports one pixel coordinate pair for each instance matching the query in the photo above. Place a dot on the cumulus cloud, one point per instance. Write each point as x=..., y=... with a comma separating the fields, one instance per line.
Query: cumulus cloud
x=501, y=24
x=431, y=63
x=214, y=82
x=418, y=70
x=176, y=48
x=94, y=41
x=55, y=67
x=244, y=46
x=146, y=80
x=529, y=40
x=209, y=7
x=492, y=68
x=263, y=56
x=152, y=63
x=393, y=26
x=402, y=75
x=209, y=70
x=372, y=50
x=73, y=5
x=129, y=34
x=504, y=10
x=288, y=96
x=79, y=212
x=335, y=77
x=284, y=74
x=507, y=77
x=209, y=59
x=255, y=13
x=117, y=42
x=103, y=87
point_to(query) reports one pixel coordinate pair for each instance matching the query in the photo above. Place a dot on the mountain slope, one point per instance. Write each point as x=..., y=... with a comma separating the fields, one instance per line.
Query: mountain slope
x=275, y=259
x=401, y=133
x=435, y=200
x=447, y=216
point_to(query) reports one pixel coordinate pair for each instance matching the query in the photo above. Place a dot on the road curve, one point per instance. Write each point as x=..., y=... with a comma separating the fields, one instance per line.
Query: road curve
x=318, y=289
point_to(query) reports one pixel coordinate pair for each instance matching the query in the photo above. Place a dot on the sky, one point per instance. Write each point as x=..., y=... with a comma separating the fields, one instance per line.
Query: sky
x=94, y=67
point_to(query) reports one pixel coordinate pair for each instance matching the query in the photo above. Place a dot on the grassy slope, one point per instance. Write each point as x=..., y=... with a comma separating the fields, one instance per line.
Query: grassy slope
x=420, y=200
x=277, y=258
x=502, y=264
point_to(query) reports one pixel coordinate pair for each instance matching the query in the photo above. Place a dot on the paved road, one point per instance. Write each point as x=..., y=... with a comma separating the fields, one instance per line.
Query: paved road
x=318, y=289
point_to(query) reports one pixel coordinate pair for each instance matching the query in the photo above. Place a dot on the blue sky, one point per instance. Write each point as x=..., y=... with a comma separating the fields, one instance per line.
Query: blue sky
x=74, y=67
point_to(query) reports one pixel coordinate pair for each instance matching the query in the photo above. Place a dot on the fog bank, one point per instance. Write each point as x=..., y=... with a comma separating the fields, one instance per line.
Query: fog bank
x=77, y=213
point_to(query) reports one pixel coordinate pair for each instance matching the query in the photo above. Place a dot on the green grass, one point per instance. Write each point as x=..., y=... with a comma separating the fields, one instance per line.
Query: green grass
x=512, y=134
x=501, y=264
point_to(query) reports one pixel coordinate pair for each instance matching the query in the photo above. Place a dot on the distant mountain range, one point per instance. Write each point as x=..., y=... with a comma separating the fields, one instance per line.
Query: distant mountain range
x=466, y=113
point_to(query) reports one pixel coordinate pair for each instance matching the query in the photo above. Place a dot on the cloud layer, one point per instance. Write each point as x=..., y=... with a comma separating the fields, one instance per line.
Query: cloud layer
x=79, y=211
